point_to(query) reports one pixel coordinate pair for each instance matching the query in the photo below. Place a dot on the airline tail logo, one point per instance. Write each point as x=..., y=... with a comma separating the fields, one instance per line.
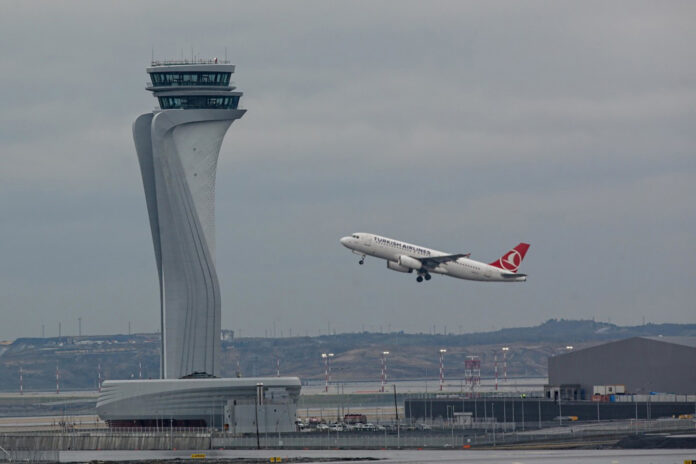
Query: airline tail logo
x=511, y=260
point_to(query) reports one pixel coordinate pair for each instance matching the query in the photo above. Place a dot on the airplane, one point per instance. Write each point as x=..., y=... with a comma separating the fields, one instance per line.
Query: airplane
x=406, y=257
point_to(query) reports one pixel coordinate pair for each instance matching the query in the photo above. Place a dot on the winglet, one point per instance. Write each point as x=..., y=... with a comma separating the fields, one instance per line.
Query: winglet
x=511, y=260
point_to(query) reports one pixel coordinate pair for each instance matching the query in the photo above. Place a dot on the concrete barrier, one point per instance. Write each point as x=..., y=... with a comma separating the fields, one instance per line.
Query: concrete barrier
x=104, y=441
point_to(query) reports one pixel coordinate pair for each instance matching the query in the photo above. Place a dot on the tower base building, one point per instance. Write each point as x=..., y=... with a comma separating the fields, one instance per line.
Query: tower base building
x=228, y=404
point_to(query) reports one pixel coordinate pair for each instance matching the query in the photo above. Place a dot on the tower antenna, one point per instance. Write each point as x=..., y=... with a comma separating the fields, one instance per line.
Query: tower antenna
x=225, y=54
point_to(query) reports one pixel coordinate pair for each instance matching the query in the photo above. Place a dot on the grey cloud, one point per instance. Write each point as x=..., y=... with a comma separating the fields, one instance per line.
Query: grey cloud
x=463, y=126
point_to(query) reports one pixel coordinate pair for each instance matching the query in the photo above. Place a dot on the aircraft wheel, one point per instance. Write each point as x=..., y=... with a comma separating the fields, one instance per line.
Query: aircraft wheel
x=361, y=262
x=427, y=277
x=419, y=279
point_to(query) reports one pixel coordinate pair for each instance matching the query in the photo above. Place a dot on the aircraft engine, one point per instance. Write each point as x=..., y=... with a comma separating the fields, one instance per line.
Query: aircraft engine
x=394, y=266
x=411, y=263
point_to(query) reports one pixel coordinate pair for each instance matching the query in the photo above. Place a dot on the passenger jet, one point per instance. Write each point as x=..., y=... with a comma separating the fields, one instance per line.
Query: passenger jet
x=405, y=257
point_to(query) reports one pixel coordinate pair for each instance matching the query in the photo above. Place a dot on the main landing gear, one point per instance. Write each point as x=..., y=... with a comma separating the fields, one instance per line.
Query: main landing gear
x=422, y=275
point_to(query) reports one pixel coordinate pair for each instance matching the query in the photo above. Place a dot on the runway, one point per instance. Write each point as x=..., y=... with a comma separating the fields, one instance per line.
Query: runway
x=396, y=457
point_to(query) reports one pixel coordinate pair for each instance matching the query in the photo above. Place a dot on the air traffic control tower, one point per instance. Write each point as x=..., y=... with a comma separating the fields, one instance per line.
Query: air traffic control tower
x=178, y=148
x=178, y=145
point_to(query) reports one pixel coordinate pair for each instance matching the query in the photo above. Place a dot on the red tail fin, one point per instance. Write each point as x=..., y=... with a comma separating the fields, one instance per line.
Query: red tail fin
x=511, y=260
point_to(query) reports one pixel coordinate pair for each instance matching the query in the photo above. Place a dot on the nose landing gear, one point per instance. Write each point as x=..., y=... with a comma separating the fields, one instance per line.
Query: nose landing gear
x=362, y=260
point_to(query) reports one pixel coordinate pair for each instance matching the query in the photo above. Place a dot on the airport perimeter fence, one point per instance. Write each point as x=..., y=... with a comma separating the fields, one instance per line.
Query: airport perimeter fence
x=452, y=437
x=437, y=438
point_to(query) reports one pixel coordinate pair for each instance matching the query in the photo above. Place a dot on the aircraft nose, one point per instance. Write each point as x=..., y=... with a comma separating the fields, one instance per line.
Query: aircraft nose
x=345, y=241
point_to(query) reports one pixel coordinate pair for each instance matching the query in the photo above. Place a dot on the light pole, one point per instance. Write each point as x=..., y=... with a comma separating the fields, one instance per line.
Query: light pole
x=505, y=350
x=384, y=370
x=442, y=367
x=327, y=369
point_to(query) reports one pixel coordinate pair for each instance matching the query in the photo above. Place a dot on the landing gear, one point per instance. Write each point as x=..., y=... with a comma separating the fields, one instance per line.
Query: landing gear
x=423, y=275
x=427, y=277
x=362, y=260
x=419, y=278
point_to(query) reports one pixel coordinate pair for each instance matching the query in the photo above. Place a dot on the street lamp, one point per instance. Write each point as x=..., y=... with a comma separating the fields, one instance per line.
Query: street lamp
x=327, y=369
x=384, y=370
x=505, y=350
x=442, y=367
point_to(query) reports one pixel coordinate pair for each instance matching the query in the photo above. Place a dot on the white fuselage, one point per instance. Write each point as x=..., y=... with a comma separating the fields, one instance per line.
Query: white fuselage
x=393, y=250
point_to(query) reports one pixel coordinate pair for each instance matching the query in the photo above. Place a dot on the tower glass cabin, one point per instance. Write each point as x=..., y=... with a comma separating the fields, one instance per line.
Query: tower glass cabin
x=183, y=85
x=178, y=146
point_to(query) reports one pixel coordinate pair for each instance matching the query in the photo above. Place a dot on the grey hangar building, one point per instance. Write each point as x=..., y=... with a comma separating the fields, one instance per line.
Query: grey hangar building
x=657, y=376
x=643, y=365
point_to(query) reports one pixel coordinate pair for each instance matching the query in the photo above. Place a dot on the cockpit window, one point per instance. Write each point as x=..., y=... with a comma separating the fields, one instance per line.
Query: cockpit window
x=356, y=236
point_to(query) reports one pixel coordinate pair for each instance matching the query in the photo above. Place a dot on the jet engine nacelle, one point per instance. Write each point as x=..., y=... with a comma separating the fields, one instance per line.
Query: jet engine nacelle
x=394, y=266
x=411, y=263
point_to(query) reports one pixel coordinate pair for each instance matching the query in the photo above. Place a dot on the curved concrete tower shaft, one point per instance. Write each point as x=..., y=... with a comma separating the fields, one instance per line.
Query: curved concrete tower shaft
x=178, y=147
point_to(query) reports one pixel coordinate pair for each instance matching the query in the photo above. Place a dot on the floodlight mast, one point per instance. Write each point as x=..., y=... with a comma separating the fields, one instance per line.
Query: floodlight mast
x=505, y=350
x=327, y=369
x=384, y=371
x=442, y=367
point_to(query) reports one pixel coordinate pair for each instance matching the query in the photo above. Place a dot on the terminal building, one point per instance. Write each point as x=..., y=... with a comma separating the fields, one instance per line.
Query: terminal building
x=178, y=145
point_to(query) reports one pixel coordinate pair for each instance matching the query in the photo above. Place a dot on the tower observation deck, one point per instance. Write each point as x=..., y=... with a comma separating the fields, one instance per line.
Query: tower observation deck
x=178, y=145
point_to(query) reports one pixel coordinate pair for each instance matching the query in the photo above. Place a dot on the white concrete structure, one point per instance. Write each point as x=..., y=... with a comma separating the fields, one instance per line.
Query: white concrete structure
x=208, y=402
x=178, y=147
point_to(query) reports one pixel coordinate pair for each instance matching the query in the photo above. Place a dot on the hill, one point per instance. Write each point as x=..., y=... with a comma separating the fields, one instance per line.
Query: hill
x=357, y=355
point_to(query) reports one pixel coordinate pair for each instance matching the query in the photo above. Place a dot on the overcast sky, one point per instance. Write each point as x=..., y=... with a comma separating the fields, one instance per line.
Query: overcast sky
x=460, y=126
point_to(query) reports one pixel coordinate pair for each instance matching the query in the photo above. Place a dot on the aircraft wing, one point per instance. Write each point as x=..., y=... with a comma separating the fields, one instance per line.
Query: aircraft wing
x=434, y=261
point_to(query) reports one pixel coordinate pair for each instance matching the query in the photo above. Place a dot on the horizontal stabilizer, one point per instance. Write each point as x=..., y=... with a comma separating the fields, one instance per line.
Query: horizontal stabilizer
x=513, y=276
